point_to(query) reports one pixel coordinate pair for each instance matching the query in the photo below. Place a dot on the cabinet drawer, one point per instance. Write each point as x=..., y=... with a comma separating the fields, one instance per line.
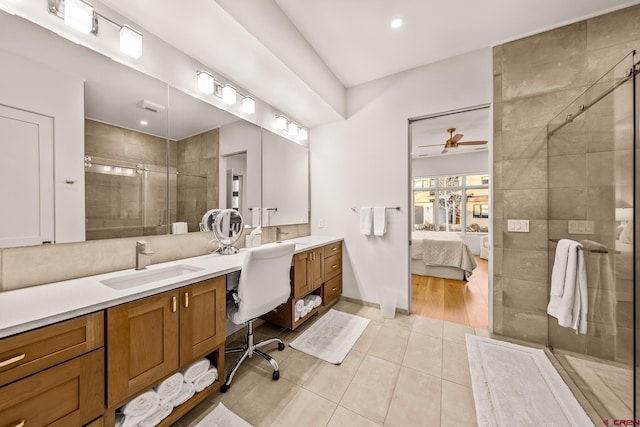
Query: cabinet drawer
x=69, y=394
x=331, y=290
x=332, y=266
x=24, y=354
x=332, y=249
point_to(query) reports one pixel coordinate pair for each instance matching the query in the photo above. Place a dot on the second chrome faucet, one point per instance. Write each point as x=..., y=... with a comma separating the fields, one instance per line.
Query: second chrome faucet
x=141, y=249
x=279, y=234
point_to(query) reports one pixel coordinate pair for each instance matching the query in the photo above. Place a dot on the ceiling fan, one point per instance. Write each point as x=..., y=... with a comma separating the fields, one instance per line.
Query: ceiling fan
x=453, y=141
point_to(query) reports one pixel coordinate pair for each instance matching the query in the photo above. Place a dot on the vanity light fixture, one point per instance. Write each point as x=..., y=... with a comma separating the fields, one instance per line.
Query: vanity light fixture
x=79, y=15
x=303, y=134
x=229, y=95
x=281, y=122
x=206, y=82
x=130, y=42
x=292, y=128
x=248, y=105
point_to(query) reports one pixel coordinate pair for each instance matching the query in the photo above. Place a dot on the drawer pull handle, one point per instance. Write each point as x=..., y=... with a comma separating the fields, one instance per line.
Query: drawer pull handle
x=334, y=288
x=12, y=360
x=334, y=266
x=174, y=304
x=335, y=248
x=186, y=300
x=21, y=423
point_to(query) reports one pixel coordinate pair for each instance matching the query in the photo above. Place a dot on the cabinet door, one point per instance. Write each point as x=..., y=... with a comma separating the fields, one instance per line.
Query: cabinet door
x=301, y=285
x=69, y=394
x=142, y=344
x=316, y=276
x=202, y=318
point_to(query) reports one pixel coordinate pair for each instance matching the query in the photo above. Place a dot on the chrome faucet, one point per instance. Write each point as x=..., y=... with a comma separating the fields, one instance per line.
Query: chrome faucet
x=279, y=234
x=141, y=249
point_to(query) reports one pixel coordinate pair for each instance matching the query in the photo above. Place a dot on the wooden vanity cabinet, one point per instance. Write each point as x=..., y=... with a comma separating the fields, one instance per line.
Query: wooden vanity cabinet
x=151, y=338
x=317, y=271
x=54, y=375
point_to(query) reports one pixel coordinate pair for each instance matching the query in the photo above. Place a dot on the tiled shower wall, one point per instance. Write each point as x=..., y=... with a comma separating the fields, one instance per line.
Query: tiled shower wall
x=534, y=79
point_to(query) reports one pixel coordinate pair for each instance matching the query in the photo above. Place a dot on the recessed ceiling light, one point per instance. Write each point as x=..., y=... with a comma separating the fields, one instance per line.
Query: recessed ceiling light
x=144, y=122
x=396, y=23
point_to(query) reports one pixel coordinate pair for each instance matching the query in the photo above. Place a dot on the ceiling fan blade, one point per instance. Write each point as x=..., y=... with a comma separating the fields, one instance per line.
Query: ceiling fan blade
x=472, y=143
x=445, y=151
x=431, y=145
x=457, y=137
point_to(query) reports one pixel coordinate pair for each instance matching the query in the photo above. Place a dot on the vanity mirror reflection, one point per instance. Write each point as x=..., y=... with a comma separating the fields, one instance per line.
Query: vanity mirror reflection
x=153, y=155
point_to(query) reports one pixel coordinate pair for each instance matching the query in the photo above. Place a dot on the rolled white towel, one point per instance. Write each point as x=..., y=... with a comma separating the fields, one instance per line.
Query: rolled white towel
x=186, y=392
x=194, y=370
x=206, y=379
x=299, y=305
x=158, y=415
x=312, y=301
x=123, y=420
x=170, y=387
x=141, y=404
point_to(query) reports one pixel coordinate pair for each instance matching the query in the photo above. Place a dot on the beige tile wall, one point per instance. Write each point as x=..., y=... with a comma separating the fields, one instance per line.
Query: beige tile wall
x=35, y=265
x=534, y=79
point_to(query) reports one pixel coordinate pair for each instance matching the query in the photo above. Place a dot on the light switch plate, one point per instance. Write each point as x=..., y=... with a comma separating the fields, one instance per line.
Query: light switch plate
x=518, y=225
x=581, y=227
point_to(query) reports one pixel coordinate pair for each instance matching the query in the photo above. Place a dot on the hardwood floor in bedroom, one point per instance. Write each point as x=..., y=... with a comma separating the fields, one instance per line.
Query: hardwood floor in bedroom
x=466, y=303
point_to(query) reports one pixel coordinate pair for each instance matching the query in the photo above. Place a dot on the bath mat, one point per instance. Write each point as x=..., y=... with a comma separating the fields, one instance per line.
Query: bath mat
x=332, y=336
x=515, y=385
x=222, y=417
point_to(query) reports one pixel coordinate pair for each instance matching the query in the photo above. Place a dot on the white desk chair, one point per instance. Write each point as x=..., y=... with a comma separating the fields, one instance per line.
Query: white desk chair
x=264, y=284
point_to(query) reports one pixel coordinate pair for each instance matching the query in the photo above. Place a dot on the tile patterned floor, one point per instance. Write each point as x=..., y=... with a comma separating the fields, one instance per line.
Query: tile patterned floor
x=406, y=371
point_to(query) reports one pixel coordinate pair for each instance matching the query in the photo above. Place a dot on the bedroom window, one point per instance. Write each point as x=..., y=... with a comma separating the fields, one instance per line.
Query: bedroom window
x=451, y=203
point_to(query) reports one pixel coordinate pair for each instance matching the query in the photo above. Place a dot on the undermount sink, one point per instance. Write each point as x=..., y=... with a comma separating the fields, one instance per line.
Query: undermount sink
x=140, y=278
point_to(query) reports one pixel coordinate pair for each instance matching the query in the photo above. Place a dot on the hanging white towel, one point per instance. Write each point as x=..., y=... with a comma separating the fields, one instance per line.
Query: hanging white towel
x=571, y=308
x=366, y=219
x=379, y=220
x=564, y=265
x=179, y=228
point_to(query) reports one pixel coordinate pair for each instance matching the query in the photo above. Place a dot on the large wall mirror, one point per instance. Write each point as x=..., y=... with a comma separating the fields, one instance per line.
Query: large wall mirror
x=143, y=158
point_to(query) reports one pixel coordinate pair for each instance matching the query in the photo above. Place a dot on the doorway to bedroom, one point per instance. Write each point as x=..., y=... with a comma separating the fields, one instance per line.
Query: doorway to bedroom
x=451, y=216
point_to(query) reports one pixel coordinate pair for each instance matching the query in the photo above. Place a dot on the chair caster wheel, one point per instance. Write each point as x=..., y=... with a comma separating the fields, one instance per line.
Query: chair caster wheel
x=280, y=346
x=276, y=375
x=224, y=388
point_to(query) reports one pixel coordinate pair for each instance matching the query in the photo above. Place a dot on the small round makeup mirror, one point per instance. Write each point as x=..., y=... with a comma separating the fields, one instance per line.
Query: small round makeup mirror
x=227, y=228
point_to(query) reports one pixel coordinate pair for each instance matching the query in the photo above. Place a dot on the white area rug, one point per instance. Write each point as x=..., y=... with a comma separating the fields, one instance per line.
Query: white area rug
x=518, y=386
x=222, y=417
x=332, y=336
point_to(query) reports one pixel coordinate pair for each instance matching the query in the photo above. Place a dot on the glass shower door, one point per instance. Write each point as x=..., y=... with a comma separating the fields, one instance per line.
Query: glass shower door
x=591, y=200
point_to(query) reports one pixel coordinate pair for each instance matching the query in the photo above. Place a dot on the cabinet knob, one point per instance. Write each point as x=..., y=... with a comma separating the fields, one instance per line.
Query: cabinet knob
x=12, y=360
x=186, y=300
x=174, y=304
x=334, y=266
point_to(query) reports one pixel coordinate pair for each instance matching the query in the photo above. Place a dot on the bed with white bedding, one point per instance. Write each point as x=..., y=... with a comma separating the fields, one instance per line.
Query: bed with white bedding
x=440, y=254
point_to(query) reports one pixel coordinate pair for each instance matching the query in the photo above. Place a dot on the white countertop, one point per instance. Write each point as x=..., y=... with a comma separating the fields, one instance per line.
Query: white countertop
x=36, y=306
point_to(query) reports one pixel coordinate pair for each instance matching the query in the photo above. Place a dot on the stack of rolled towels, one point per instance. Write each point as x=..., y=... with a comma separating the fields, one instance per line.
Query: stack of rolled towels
x=151, y=407
x=305, y=305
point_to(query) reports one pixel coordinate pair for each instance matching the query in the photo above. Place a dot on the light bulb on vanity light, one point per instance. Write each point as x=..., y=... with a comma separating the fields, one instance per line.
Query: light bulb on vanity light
x=292, y=128
x=281, y=122
x=206, y=82
x=130, y=42
x=303, y=134
x=229, y=95
x=78, y=15
x=248, y=105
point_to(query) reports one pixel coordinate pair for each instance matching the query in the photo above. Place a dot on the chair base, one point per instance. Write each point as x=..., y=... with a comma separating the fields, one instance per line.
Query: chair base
x=249, y=349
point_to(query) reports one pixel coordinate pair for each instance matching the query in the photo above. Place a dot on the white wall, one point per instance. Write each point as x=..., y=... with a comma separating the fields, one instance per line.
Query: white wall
x=238, y=137
x=476, y=162
x=37, y=88
x=364, y=161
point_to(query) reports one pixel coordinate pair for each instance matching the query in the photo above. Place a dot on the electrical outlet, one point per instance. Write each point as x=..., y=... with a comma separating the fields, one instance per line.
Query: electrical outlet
x=321, y=224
